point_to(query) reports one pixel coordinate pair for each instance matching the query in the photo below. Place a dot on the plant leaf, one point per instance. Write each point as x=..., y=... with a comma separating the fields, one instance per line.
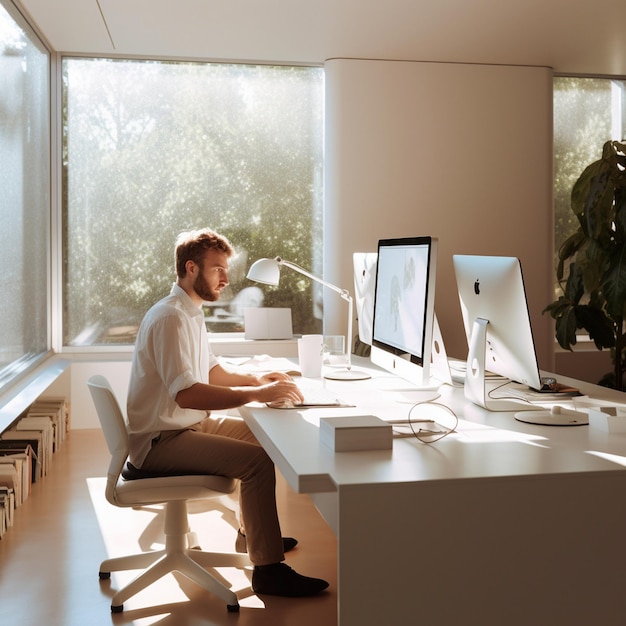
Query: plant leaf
x=614, y=284
x=568, y=249
x=599, y=205
x=599, y=327
x=566, y=327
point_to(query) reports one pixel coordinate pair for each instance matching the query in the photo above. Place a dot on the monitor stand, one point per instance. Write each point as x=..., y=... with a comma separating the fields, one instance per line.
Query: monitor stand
x=475, y=380
x=554, y=416
x=345, y=373
x=439, y=367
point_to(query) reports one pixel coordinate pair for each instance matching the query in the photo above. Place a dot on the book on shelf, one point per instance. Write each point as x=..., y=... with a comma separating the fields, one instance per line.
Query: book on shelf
x=19, y=440
x=57, y=410
x=7, y=508
x=44, y=426
x=10, y=478
x=23, y=450
x=23, y=461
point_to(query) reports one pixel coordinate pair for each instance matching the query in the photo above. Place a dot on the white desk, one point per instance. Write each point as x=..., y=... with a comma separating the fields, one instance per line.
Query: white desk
x=501, y=523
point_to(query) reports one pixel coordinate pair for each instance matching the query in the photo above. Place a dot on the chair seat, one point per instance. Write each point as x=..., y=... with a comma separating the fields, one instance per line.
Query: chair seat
x=168, y=488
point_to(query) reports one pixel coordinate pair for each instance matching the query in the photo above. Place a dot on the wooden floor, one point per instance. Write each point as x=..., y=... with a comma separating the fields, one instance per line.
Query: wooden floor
x=49, y=559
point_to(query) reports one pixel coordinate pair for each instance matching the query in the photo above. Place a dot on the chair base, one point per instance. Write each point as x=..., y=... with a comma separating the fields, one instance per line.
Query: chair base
x=176, y=557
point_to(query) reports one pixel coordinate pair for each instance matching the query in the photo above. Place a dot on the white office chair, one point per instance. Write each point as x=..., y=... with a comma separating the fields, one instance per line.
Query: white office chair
x=174, y=492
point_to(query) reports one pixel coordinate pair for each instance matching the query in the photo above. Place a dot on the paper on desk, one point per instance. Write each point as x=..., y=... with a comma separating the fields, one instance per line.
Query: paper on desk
x=262, y=363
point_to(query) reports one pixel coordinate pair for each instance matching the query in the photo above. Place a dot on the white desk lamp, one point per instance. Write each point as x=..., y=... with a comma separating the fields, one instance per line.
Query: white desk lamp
x=267, y=271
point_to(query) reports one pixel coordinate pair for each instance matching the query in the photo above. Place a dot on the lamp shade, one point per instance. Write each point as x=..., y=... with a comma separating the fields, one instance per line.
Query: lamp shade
x=265, y=271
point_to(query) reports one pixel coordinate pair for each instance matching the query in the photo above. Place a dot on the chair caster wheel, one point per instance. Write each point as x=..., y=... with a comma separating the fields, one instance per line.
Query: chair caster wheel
x=233, y=608
x=104, y=575
x=117, y=609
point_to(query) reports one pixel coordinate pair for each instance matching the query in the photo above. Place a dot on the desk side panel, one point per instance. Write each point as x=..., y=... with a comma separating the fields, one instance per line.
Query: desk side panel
x=519, y=551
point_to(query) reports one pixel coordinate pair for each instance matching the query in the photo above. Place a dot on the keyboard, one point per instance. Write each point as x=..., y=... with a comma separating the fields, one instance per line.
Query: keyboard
x=319, y=397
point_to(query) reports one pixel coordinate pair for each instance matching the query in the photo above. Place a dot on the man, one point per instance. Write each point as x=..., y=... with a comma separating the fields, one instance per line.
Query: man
x=176, y=381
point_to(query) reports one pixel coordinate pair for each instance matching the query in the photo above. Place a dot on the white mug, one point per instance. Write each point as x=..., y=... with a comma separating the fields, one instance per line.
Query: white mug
x=310, y=355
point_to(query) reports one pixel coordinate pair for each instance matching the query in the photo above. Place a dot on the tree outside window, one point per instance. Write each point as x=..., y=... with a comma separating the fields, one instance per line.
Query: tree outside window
x=154, y=148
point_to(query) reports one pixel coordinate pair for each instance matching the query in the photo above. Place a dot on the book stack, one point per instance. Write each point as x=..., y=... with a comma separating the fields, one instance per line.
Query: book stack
x=26, y=450
x=58, y=412
x=355, y=432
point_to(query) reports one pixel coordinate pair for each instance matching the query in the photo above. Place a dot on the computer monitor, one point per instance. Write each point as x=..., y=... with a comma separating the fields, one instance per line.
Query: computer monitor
x=497, y=327
x=404, y=308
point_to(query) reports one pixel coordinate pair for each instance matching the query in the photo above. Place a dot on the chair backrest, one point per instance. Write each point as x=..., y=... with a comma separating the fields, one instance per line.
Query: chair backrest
x=114, y=428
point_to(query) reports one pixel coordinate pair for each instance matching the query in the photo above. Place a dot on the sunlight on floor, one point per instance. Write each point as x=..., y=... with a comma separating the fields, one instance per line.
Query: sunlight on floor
x=129, y=531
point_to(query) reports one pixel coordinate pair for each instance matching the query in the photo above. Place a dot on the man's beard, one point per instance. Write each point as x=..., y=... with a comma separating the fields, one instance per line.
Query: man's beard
x=203, y=290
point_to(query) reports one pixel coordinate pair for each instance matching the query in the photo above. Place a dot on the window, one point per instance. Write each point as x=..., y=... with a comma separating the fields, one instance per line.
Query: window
x=154, y=148
x=587, y=113
x=24, y=196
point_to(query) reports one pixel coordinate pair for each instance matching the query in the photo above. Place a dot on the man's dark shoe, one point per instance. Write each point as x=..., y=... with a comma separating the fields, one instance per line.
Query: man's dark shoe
x=280, y=580
x=289, y=543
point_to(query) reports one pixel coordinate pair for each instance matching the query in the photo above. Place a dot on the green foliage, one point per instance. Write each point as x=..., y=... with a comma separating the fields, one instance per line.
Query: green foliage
x=591, y=267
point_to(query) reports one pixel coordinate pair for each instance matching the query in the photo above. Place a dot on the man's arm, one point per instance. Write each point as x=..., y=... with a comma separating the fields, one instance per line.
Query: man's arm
x=215, y=397
x=229, y=378
x=232, y=389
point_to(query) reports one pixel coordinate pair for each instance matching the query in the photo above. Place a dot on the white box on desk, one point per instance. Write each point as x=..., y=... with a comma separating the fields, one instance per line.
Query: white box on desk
x=355, y=432
x=611, y=419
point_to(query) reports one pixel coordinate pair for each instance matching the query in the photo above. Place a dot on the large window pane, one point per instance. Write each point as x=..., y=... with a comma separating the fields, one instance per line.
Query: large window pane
x=587, y=113
x=24, y=197
x=154, y=148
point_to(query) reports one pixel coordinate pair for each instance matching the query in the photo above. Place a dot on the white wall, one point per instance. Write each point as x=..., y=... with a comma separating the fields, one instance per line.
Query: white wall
x=456, y=151
x=82, y=407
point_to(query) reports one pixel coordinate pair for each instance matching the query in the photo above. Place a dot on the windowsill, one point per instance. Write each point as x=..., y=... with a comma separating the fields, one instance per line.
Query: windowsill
x=583, y=344
x=223, y=344
x=17, y=398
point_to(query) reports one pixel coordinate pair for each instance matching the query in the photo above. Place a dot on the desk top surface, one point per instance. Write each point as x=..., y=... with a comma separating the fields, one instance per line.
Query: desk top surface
x=485, y=445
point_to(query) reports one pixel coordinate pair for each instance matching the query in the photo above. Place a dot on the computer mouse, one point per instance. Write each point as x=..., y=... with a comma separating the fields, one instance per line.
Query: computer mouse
x=281, y=404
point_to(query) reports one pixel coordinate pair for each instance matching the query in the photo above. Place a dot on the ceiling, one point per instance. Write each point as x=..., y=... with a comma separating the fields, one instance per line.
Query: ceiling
x=572, y=37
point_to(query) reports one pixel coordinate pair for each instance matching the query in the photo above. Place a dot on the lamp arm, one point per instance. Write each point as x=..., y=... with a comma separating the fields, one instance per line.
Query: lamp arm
x=344, y=293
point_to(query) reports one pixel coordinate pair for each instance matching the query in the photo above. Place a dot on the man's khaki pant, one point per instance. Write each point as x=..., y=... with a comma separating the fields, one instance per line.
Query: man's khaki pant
x=224, y=446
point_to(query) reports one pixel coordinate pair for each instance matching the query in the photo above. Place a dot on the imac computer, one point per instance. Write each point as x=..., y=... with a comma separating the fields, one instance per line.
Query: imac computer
x=404, y=304
x=497, y=327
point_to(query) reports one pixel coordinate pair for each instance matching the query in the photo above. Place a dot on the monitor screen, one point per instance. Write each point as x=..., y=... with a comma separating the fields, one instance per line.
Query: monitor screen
x=497, y=323
x=404, y=302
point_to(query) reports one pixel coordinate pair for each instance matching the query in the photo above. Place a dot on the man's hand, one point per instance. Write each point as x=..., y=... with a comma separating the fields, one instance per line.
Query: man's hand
x=283, y=389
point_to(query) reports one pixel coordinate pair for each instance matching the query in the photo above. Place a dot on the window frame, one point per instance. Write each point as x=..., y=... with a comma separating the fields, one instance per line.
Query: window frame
x=21, y=367
x=583, y=342
x=224, y=341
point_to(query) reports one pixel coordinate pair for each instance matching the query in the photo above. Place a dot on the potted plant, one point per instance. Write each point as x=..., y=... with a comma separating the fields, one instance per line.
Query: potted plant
x=592, y=262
